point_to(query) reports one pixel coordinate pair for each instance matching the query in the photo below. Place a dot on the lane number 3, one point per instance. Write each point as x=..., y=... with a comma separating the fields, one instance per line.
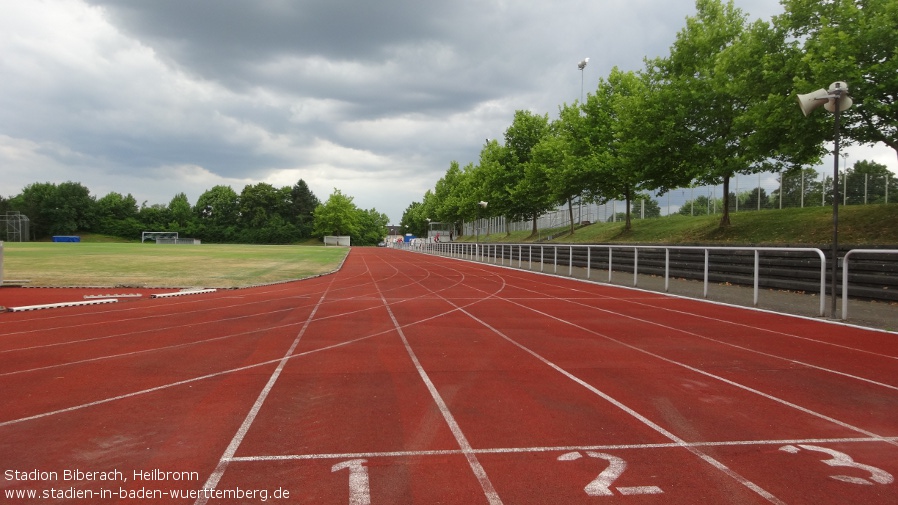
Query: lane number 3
x=837, y=458
x=601, y=485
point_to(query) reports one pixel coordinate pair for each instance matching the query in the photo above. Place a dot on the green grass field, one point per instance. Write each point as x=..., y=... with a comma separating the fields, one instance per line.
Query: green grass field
x=97, y=262
x=151, y=265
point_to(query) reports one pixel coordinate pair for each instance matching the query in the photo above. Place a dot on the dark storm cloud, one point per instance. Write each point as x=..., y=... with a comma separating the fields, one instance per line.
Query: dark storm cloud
x=155, y=97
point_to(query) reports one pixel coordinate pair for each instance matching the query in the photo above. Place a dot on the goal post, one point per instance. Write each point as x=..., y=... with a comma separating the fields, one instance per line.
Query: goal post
x=341, y=240
x=153, y=235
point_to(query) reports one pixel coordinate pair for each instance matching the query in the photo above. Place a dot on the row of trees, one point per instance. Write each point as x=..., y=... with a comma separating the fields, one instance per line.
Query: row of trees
x=260, y=214
x=722, y=103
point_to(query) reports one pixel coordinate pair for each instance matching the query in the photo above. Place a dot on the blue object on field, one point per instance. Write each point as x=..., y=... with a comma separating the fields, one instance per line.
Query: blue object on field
x=66, y=238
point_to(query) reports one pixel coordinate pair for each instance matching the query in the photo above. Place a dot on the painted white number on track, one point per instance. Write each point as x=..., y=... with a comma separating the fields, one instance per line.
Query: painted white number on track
x=841, y=459
x=601, y=485
x=359, y=489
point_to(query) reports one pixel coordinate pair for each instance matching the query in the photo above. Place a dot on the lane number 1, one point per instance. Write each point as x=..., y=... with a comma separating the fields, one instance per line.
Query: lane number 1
x=359, y=488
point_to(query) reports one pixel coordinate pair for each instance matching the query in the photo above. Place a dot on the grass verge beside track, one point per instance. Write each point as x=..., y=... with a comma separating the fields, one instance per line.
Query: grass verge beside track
x=151, y=265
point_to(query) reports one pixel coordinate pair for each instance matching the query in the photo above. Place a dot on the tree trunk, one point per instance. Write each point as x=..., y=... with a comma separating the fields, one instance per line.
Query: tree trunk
x=627, y=209
x=725, y=219
x=570, y=209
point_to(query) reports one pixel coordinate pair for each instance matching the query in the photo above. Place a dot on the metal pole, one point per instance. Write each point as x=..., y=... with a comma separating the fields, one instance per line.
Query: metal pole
x=835, y=252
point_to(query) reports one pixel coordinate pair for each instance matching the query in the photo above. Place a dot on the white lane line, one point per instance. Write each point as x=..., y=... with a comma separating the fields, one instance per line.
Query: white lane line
x=669, y=296
x=565, y=448
x=644, y=420
x=489, y=491
x=708, y=374
x=150, y=350
x=705, y=373
x=213, y=375
x=728, y=344
x=229, y=452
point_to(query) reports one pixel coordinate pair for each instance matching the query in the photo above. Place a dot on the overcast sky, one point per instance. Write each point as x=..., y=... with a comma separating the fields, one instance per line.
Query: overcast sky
x=375, y=98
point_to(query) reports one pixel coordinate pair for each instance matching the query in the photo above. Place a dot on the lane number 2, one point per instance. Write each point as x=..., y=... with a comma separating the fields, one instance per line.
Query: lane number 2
x=601, y=485
x=837, y=458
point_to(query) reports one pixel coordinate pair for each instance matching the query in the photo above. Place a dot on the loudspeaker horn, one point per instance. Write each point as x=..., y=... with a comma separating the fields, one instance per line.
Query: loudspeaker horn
x=844, y=104
x=814, y=99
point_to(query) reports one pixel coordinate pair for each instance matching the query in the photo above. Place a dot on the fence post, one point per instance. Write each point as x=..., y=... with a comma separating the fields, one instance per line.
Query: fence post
x=706, y=274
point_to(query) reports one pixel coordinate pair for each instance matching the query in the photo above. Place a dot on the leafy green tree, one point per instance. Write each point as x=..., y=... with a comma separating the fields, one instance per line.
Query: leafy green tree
x=219, y=206
x=372, y=227
x=520, y=185
x=414, y=220
x=701, y=205
x=37, y=202
x=337, y=216
x=852, y=41
x=869, y=182
x=563, y=158
x=303, y=203
x=754, y=199
x=155, y=217
x=258, y=203
x=180, y=211
x=728, y=85
x=451, y=200
x=116, y=206
x=117, y=216
x=217, y=213
x=617, y=97
x=799, y=187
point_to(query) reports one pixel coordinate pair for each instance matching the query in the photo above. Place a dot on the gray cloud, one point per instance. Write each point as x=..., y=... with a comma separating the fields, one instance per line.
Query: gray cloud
x=373, y=98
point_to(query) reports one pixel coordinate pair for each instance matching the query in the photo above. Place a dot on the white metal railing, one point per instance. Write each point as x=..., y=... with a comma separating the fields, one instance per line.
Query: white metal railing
x=496, y=254
x=845, y=272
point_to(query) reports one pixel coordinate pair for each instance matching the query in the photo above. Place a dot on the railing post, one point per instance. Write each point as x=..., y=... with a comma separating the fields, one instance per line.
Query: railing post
x=570, y=262
x=706, y=274
x=757, y=263
x=635, y=265
x=845, y=285
x=666, y=269
x=609, y=264
x=588, y=261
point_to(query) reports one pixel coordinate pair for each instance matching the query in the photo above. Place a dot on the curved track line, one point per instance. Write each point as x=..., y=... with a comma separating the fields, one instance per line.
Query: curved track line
x=716, y=320
x=489, y=491
x=636, y=415
x=702, y=372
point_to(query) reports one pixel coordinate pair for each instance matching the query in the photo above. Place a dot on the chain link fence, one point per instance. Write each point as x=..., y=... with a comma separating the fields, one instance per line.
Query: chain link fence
x=807, y=188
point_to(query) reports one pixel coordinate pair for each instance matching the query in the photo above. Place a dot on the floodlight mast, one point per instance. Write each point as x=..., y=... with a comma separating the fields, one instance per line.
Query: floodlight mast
x=835, y=100
x=581, y=66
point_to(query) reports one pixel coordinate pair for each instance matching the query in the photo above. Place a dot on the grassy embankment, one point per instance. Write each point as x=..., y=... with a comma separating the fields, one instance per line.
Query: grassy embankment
x=859, y=226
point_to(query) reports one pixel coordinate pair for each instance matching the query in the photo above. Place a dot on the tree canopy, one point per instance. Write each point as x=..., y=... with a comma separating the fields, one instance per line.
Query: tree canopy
x=720, y=104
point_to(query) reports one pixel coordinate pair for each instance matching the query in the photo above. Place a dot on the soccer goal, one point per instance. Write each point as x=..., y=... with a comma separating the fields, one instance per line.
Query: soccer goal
x=340, y=240
x=153, y=235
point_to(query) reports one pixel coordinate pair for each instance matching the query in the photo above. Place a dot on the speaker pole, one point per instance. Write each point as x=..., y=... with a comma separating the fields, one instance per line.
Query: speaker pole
x=835, y=206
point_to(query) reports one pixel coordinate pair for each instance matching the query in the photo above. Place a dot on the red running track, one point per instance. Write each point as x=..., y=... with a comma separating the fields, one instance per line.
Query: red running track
x=407, y=379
